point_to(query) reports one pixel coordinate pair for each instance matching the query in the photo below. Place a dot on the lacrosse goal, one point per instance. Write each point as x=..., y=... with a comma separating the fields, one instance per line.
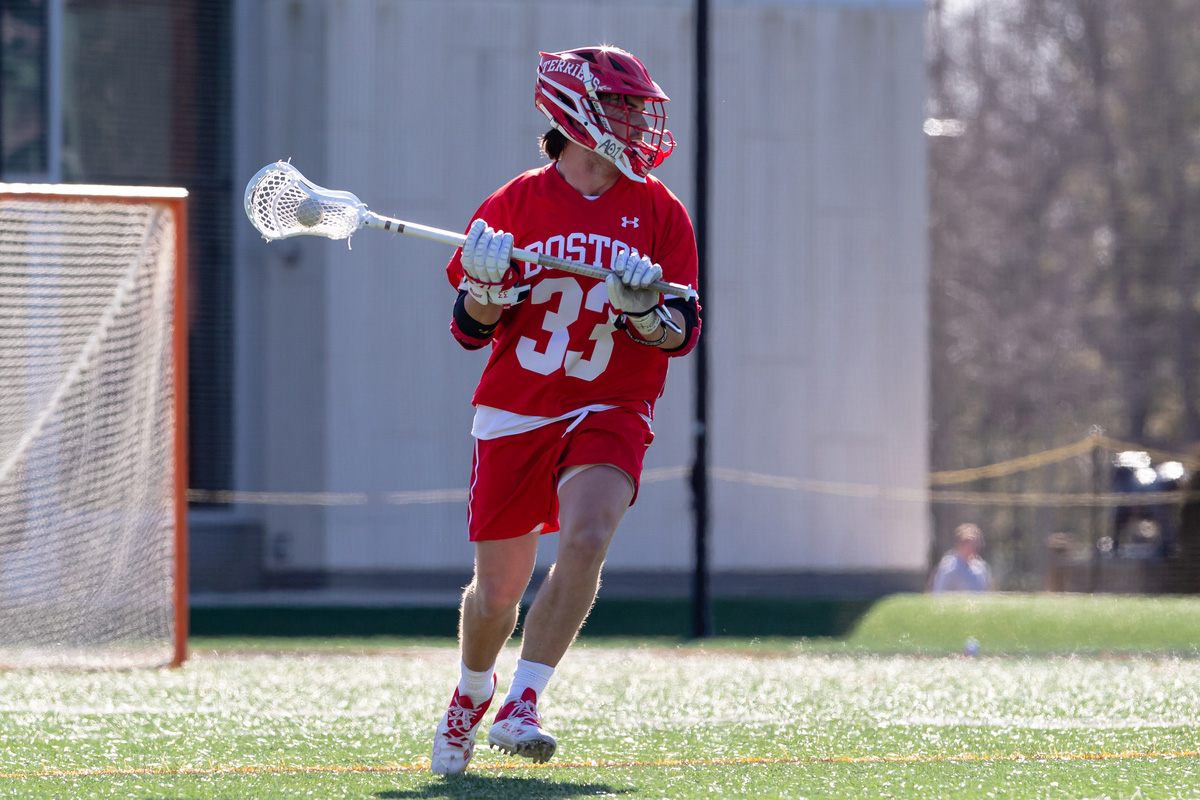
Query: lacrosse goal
x=93, y=365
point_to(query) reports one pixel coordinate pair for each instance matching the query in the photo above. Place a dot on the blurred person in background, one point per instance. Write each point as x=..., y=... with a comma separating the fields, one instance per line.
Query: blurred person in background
x=962, y=568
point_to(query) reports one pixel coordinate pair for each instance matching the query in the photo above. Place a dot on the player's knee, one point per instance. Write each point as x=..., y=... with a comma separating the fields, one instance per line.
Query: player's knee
x=496, y=595
x=587, y=544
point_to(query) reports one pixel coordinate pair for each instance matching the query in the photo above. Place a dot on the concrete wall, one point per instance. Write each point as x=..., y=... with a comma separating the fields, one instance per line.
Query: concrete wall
x=349, y=383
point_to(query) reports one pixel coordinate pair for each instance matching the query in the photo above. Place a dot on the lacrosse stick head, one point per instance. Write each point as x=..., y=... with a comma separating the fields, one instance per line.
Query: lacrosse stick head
x=281, y=202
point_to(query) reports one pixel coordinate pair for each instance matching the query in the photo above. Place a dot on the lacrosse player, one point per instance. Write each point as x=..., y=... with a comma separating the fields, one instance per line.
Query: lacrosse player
x=564, y=406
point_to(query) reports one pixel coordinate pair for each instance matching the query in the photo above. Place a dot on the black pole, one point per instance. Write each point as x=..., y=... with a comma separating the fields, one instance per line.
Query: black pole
x=701, y=608
x=1094, y=579
x=2, y=72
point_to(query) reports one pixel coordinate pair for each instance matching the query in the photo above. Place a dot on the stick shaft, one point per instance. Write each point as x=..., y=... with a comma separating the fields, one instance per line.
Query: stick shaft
x=373, y=220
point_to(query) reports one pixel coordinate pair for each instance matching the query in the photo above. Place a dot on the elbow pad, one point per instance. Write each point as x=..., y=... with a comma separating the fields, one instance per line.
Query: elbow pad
x=468, y=331
x=690, y=309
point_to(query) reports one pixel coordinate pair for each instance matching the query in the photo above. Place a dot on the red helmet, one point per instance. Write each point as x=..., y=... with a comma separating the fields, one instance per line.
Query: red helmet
x=569, y=85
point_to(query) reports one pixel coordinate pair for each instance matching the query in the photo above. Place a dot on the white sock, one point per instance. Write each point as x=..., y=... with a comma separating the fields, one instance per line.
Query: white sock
x=476, y=685
x=529, y=675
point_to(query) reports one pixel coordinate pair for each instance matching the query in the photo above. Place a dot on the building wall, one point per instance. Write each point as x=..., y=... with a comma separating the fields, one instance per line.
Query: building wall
x=349, y=383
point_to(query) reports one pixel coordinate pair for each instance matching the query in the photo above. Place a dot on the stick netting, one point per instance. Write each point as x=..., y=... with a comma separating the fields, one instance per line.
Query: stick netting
x=281, y=202
x=87, y=474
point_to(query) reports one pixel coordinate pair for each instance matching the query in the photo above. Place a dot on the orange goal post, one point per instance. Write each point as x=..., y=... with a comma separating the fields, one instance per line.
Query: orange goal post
x=93, y=426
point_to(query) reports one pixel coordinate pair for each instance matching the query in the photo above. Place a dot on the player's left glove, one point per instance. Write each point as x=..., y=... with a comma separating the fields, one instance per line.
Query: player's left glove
x=629, y=294
x=491, y=278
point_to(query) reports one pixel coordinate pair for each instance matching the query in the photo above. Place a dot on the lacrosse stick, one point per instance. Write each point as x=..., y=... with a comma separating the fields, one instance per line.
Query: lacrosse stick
x=281, y=202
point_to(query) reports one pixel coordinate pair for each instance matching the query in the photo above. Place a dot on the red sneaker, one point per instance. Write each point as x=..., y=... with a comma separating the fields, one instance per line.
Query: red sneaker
x=518, y=730
x=454, y=739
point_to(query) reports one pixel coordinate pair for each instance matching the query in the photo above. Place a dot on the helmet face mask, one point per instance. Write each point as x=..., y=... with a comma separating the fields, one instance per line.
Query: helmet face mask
x=591, y=96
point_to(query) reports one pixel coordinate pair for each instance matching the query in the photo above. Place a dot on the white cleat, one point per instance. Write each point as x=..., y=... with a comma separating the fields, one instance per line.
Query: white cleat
x=518, y=730
x=454, y=739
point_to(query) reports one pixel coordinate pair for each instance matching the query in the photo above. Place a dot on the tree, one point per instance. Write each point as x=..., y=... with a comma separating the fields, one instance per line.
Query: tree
x=1065, y=264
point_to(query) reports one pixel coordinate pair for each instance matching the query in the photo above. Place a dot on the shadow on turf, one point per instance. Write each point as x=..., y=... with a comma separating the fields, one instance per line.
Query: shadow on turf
x=460, y=787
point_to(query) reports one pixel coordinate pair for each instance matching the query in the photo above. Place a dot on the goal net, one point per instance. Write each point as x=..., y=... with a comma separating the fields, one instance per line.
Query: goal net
x=92, y=478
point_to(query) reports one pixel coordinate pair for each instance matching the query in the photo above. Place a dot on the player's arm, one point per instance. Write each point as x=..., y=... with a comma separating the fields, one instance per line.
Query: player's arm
x=671, y=326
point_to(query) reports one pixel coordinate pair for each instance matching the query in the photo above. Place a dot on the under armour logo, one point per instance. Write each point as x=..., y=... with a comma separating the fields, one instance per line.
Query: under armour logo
x=626, y=222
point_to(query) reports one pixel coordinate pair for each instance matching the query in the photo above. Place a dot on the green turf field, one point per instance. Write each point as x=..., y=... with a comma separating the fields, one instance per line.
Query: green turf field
x=653, y=718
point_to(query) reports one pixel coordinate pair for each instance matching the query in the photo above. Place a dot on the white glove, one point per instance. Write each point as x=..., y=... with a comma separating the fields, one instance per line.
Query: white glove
x=627, y=290
x=490, y=275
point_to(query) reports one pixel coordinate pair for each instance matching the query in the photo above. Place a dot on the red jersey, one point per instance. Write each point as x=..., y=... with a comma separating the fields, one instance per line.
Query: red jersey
x=559, y=350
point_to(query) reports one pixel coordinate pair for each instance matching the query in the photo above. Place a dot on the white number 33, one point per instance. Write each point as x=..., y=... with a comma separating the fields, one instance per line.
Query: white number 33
x=556, y=323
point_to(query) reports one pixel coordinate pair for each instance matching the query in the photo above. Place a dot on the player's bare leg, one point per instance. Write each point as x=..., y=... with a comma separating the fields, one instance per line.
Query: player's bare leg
x=488, y=616
x=591, y=505
x=491, y=601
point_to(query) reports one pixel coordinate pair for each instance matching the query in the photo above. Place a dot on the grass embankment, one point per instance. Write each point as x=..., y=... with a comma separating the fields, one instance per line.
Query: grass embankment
x=1031, y=624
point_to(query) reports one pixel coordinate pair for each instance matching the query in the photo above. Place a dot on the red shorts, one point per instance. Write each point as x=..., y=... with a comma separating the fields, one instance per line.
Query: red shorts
x=514, y=479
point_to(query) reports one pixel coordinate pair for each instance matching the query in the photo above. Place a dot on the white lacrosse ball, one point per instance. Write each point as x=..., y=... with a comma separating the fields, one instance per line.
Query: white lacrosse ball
x=309, y=213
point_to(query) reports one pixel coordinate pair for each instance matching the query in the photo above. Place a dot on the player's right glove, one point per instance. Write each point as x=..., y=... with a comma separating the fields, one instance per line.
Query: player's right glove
x=491, y=277
x=629, y=293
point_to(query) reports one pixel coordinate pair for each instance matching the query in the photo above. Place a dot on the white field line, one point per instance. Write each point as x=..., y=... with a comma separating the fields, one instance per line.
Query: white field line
x=106, y=711
x=1041, y=723
x=421, y=766
x=682, y=722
